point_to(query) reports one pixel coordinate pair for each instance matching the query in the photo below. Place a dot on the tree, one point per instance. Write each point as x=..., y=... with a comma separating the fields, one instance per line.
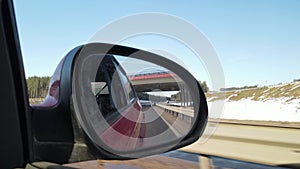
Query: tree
x=204, y=86
x=38, y=86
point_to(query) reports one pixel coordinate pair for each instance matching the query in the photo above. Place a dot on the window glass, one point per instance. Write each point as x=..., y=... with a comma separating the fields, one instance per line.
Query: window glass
x=244, y=54
x=123, y=93
x=126, y=84
x=99, y=88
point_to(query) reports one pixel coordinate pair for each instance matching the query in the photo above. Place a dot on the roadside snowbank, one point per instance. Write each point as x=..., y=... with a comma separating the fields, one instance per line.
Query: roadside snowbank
x=270, y=110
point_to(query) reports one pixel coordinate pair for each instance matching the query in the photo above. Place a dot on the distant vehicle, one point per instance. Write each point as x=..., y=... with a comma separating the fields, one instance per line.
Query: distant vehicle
x=146, y=103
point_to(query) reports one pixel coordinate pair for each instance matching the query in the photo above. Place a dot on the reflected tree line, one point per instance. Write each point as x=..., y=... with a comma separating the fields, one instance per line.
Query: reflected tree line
x=204, y=86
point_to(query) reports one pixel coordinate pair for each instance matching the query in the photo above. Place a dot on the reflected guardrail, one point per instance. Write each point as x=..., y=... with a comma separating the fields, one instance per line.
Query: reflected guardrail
x=182, y=112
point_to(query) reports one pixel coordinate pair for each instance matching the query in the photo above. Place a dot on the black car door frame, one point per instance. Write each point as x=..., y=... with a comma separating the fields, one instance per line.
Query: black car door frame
x=14, y=105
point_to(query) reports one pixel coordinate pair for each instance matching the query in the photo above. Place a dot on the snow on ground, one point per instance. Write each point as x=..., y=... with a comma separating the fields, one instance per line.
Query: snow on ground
x=270, y=110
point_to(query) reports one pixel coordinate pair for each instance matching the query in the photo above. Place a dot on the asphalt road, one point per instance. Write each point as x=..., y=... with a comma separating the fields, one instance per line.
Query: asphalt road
x=155, y=124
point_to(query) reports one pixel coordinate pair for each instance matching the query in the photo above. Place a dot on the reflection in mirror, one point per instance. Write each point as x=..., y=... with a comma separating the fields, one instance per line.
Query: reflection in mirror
x=165, y=99
x=143, y=104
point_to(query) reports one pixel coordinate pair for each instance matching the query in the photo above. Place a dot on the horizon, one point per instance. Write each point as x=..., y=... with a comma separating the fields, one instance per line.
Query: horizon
x=226, y=87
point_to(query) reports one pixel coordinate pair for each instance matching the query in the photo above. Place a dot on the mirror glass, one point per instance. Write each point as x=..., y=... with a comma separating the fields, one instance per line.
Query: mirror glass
x=133, y=104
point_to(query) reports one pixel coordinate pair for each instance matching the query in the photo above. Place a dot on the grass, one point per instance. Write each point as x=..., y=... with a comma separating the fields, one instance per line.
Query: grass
x=218, y=95
x=255, y=94
x=290, y=91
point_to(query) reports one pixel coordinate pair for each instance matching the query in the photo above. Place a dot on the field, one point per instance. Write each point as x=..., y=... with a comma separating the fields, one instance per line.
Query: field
x=269, y=103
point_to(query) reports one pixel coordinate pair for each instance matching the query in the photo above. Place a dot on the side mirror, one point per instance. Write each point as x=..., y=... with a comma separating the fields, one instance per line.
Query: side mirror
x=116, y=102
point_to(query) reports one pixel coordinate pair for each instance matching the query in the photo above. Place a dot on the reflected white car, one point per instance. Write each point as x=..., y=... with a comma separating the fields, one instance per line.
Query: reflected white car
x=146, y=103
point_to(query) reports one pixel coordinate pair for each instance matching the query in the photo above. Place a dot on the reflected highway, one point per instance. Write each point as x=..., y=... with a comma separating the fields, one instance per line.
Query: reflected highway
x=157, y=121
x=155, y=124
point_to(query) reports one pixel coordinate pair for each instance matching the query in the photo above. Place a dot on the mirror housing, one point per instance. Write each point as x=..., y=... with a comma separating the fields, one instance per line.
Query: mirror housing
x=69, y=128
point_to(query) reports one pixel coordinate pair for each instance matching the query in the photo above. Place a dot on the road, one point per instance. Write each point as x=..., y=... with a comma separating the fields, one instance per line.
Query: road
x=262, y=144
x=162, y=126
x=155, y=125
x=158, y=121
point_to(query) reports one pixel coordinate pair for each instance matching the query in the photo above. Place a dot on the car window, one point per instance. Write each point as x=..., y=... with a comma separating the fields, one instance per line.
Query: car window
x=124, y=95
x=99, y=88
x=111, y=87
x=127, y=86
x=245, y=56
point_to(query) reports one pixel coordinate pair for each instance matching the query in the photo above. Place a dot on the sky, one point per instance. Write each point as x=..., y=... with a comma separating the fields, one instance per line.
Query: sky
x=256, y=41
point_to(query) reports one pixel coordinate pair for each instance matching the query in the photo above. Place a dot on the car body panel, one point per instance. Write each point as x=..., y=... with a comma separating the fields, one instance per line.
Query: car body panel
x=128, y=131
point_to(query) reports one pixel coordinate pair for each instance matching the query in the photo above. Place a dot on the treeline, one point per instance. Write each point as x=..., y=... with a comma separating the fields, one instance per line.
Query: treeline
x=238, y=88
x=204, y=86
x=38, y=86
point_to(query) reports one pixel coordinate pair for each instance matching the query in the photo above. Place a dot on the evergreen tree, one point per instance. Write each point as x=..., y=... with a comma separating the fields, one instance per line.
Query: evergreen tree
x=38, y=86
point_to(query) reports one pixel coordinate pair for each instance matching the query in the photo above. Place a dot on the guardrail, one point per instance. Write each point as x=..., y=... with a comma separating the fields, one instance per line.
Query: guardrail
x=270, y=145
x=181, y=112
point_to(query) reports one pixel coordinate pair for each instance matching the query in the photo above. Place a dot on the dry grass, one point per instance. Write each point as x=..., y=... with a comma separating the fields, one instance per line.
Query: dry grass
x=290, y=91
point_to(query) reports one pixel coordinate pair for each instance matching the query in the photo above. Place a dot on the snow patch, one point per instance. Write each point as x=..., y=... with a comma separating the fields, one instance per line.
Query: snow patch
x=269, y=110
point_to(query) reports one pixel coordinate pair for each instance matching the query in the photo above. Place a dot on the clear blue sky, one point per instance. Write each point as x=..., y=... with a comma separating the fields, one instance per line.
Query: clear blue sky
x=257, y=41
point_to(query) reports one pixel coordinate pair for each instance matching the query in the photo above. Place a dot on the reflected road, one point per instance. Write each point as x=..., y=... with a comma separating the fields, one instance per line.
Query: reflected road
x=155, y=124
x=157, y=121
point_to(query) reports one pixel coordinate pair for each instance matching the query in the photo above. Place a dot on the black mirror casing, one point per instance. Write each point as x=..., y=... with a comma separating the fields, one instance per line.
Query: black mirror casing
x=59, y=136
